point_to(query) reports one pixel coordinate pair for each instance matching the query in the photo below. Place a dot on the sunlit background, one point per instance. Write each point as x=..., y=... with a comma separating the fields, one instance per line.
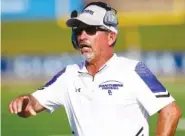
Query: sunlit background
x=36, y=44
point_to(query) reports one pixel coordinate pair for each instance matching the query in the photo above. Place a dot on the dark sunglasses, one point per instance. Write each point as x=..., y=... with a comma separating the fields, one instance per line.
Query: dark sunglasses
x=90, y=30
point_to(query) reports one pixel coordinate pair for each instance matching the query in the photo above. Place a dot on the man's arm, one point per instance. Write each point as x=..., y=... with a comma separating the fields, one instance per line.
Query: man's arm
x=168, y=120
x=50, y=97
x=25, y=106
x=155, y=97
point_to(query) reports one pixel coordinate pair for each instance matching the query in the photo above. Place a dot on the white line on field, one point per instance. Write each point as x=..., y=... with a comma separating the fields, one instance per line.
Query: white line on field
x=181, y=125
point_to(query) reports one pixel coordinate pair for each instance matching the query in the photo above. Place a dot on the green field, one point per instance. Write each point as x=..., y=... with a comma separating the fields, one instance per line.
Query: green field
x=56, y=124
x=48, y=37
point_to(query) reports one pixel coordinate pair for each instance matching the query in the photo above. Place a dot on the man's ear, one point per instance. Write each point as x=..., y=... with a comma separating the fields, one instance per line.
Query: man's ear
x=111, y=38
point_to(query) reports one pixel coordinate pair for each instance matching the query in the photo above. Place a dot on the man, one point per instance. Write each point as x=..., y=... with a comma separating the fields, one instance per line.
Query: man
x=106, y=95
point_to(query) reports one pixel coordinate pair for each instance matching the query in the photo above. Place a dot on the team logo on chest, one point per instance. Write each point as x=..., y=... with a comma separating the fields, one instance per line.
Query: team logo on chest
x=110, y=86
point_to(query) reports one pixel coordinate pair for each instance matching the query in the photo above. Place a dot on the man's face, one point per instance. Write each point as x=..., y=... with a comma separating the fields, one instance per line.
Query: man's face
x=92, y=41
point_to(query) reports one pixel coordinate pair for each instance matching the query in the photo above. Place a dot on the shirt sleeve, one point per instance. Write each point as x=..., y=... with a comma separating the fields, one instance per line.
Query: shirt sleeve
x=51, y=95
x=149, y=91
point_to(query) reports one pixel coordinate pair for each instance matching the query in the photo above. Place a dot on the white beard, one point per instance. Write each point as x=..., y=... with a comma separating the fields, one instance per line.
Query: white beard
x=88, y=56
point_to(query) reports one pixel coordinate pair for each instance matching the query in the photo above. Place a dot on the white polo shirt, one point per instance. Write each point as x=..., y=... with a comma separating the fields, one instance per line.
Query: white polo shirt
x=117, y=101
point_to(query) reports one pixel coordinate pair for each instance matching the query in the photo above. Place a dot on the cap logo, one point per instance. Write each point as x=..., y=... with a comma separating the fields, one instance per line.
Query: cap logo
x=88, y=11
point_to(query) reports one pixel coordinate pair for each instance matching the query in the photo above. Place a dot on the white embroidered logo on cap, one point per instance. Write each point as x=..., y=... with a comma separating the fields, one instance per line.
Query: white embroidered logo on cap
x=88, y=11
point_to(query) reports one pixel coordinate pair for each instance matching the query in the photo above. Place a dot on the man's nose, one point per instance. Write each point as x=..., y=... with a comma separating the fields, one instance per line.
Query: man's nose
x=83, y=35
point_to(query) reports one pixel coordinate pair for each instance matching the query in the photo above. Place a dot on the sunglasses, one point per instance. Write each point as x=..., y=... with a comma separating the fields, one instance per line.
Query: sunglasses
x=90, y=30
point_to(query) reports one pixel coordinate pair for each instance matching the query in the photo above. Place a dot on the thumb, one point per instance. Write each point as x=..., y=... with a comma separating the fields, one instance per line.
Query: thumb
x=31, y=110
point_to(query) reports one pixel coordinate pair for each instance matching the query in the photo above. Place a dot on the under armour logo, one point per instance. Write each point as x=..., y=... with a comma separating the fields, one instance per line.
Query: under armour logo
x=78, y=90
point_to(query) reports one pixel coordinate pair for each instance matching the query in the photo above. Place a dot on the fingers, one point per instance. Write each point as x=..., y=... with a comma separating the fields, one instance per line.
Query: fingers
x=15, y=106
x=21, y=104
x=10, y=107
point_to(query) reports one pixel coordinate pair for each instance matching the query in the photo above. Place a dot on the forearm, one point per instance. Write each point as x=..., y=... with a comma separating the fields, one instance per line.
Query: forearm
x=167, y=122
x=166, y=126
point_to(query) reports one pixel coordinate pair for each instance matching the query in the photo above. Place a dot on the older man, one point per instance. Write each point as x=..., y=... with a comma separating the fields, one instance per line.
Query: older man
x=105, y=95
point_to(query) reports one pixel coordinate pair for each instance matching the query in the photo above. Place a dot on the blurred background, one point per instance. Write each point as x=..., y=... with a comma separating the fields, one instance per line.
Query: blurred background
x=36, y=44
